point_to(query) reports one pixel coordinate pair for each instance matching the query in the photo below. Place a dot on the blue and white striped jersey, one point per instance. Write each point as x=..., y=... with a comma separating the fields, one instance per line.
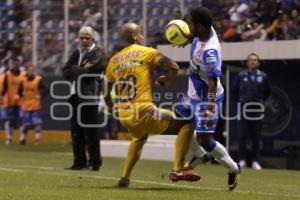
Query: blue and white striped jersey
x=205, y=62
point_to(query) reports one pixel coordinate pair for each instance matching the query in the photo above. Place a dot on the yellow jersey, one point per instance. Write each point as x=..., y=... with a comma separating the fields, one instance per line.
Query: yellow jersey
x=130, y=69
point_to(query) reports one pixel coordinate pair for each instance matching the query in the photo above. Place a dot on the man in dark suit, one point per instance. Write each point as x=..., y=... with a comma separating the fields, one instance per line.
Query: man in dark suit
x=83, y=70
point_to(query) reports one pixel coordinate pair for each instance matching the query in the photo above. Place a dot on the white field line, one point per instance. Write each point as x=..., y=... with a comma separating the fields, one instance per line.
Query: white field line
x=49, y=171
x=10, y=169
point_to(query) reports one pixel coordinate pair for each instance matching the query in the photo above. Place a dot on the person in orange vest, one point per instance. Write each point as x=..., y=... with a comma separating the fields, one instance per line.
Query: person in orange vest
x=30, y=102
x=3, y=104
x=9, y=95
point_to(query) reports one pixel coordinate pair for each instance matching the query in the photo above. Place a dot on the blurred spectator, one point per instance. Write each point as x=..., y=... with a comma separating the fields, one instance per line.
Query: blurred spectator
x=229, y=31
x=51, y=42
x=295, y=17
x=288, y=28
x=111, y=3
x=26, y=50
x=19, y=11
x=254, y=31
x=73, y=4
x=92, y=17
x=267, y=11
x=46, y=62
x=237, y=10
x=287, y=5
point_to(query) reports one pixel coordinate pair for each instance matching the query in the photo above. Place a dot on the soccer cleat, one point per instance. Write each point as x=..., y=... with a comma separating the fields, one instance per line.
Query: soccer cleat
x=22, y=142
x=233, y=178
x=123, y=182
x=184, y=175
x=256, y=165
x=195, y=161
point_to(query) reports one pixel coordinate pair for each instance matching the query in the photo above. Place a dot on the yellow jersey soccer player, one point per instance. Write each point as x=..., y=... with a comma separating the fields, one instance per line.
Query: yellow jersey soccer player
x=129, y=70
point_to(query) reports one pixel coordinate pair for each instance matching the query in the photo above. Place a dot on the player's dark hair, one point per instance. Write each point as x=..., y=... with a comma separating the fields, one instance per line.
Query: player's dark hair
x=253, y=54
x=201, y=15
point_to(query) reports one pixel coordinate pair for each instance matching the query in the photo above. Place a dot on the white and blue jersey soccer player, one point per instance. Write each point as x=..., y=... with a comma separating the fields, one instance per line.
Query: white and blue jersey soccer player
x=205, y=93
x=205, y=64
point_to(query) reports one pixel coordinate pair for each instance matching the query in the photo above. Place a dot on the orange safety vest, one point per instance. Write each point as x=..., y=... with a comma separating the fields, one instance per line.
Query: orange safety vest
x=13, y=83
x=3, y=104
x=31, y=100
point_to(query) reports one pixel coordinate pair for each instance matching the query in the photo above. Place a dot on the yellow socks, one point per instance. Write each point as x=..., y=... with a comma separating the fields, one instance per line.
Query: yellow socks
x=182, y=145
x=134, y=152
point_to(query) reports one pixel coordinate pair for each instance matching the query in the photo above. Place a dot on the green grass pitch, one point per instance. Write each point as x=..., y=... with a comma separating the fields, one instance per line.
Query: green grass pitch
x=37, y=173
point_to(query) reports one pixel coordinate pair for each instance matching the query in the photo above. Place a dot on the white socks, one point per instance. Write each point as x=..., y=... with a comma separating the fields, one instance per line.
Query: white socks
x=37, y=135
x=8, y=130
x=221, y=155
x=23, y=133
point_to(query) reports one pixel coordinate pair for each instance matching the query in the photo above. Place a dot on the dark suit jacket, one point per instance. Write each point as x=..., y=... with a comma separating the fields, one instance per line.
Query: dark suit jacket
x=88, y=85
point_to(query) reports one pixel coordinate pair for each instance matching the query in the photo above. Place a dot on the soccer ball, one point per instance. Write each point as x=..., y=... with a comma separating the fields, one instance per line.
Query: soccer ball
x=177, y=32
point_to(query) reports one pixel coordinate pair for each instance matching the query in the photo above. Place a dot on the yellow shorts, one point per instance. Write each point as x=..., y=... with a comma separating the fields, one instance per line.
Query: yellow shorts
x=146, y=119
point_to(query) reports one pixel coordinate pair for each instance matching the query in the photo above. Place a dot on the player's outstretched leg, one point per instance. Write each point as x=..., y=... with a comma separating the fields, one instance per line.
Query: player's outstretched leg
x=219, y=152
x=182, y=144
x=233, y=178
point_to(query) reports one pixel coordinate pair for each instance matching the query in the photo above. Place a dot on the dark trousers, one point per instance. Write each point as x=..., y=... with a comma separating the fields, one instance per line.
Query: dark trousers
x=250, y=129
x=85, y=138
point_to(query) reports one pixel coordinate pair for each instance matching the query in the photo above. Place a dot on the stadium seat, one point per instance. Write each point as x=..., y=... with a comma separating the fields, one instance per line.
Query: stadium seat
x=9, y=2
x=11, y=25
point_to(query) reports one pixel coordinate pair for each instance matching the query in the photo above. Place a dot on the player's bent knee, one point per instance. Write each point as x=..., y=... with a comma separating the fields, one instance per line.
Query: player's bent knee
x=141, y=139
x=206, y=141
